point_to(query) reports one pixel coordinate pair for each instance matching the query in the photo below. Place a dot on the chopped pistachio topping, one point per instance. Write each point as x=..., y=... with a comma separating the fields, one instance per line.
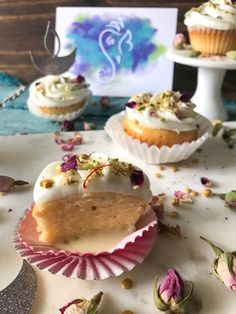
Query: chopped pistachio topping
x=46, y=183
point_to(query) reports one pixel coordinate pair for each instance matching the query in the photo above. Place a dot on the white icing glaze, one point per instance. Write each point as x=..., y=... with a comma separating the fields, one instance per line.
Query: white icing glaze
x=58, y=91
x=107, y=182
x=216, y=14
x=161, y=117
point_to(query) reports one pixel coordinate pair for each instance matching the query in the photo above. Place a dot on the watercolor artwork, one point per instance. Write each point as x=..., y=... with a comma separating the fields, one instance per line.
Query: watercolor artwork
x=120, y=51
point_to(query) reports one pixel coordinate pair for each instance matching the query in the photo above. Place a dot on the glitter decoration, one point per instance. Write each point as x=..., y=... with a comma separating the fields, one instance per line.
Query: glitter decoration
x=18, y=297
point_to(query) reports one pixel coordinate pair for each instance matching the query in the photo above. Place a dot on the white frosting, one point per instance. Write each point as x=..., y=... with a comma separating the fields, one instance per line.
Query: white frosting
x=216, y=14
x=58, y=91
x=161, y=116
x=107, y=182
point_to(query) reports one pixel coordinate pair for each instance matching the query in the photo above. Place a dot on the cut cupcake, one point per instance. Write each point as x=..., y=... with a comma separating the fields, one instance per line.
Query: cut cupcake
x=212, y=27
x=88, y=194
x=163, y=119
x=58, y=97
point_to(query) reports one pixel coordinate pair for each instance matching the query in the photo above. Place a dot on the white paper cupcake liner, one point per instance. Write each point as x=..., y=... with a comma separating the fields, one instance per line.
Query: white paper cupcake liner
x=123, y=257
x=153, y=154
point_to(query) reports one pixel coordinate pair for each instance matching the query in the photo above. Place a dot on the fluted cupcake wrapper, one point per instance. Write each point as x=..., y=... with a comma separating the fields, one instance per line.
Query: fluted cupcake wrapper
x=153, y=154
x=212, y=41
x=129, y=252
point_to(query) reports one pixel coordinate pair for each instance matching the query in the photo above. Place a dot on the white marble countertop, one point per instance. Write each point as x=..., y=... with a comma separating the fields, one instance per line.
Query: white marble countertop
x=23, y=157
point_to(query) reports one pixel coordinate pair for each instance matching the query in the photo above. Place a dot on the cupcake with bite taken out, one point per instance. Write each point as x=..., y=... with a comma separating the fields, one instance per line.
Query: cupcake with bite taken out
x=163, y=119
x=58, y=97
x=212, y=27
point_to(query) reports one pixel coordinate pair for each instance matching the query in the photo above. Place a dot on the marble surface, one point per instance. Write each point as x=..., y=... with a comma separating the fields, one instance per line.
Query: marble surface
x=23, y=157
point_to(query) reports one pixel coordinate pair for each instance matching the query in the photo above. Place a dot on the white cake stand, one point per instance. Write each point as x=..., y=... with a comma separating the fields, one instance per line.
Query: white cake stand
x=211, y=73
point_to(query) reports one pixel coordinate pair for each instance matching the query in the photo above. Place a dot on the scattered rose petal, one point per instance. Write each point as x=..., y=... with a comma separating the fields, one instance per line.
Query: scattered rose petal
x=137, y=179
x=169, y=230
x=131, y=104
x=89, y=126
x=206, y=182
x=105, y=102
x=68, y=145
x=80, y=79
x=68, y=125
x=183, y=197
x=70, y=164
x=157, y=206
x=66, y=157
x=6, y=183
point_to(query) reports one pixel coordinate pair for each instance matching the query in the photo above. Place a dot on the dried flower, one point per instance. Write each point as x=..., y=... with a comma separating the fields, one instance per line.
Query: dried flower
x=206, y=182
x=68, y=125
x=170, y=295
x=82, y=306
x=179, y=41
x=70, y=163
x=230, y=200
x=137, y=179
x=131, y=104
x=7, y=183
x=224, y=266
x=183, y=196
x=68, y=145
x=80, y=79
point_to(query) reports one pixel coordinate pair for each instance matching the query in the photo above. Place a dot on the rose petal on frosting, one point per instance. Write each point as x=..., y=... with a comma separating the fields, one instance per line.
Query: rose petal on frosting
x=137, y=178
x=80, y=79
x=71, y=163
x=6, y=183
x=131, y=104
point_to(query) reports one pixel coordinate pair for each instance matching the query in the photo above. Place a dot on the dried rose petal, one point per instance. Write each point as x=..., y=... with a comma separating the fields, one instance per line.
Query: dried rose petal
x=66, y=157
x=6, y=183
x=131, y=104
x=80, y=79
x=183, y=196
x=68, y=125
x=68, y=145
x=206, y=182
x=89, y=126
x=179, y=41
x=71, y=163
x=105, y=102
x=185, y=96
x=137, y=178
x=63, y=309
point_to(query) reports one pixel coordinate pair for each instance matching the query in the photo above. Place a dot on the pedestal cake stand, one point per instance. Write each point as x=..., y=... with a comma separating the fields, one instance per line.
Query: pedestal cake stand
x=211, y=73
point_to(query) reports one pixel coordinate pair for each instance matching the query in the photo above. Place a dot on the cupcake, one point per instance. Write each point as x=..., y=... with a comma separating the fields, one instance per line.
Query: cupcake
x=162, y=119
x=58, y=97
x=87, y=195
x=212, y=27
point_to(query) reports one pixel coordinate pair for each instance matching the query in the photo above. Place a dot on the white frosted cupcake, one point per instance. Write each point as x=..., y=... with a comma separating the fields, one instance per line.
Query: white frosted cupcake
x=163, y=119
x=88, y=194
x=57, y=97
x=212, y=27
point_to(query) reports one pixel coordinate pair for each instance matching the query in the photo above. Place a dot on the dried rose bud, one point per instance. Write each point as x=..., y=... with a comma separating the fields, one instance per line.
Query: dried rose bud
x=179, y=41
x=206, y=182
x=170, y=295
x=82, y=306
x=80, y=79
x=131, y=104
x=230, y=200
x=7, y=183
x=137, y=179
x=224, y=266
x=68, y=125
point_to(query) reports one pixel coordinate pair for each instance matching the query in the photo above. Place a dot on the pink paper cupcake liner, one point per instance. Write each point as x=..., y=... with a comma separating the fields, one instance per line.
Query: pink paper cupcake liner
x=130, y=252
x=153, y=154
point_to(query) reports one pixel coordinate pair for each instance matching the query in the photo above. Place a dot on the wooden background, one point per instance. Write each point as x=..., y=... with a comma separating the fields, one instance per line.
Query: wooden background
x=23, y=25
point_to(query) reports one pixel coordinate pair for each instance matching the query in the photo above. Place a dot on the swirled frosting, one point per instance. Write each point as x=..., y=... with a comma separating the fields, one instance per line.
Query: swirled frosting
x=216, y=14
x=166, y=110
x=96, y=172
x=56, y=91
